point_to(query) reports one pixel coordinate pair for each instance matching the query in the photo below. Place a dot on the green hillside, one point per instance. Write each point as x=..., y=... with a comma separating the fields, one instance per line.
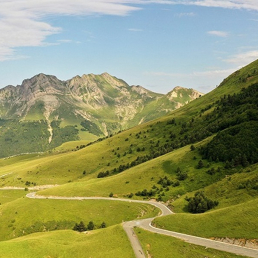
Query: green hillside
x=26, y=216
x=67, y=243
x=201, y=158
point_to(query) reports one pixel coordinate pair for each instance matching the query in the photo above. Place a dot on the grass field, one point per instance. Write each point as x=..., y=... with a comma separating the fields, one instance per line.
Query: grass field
x=10, y=195
x=160, y=246
x=109, y=242
x=25, y=216
x=237, y=221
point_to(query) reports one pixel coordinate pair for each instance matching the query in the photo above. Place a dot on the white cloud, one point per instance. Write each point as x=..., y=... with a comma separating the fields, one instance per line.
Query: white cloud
x=21, y=32
x=180, y=15
x=243, y=58
x=22, y=25
x=231, y=4
x=65, y=41
x=217, y=33
x=22, y=22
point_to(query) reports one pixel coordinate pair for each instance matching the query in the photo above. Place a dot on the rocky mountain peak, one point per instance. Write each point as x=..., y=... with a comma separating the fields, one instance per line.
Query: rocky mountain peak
x=113, y=80
x=107, y=102
x=186, y=94
x=139, y=89
x=40, y=85
x=178, y=88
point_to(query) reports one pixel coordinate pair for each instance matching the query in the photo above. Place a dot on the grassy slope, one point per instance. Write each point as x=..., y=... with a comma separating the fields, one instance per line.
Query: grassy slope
x=238, y=221
x=69, y=146
x=235, y=216
x=161, y=246
x=67, y=243
x=10, y=195
x=24, y=216
x=143, y=176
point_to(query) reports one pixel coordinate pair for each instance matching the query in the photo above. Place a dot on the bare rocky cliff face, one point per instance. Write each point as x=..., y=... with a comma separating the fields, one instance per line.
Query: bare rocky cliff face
x=95, y=104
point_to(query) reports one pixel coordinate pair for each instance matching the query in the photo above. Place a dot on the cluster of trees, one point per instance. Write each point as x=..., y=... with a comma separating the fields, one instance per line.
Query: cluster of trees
x=234, y=109
x=165, y=182
x=80, y=227
x=237, y=146
x=249, y=184
x=146, y=193
x=212, y=171
x=171, y=122
x=28, y=183
x=80, y=147
x=181, y=175
x=103, y=174
x=200, y=203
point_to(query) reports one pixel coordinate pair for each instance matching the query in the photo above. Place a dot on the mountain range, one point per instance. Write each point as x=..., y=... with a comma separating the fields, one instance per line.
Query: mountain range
x=43, y=112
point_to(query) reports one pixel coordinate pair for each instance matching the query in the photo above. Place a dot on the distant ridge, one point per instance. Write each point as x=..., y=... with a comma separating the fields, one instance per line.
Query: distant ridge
x=85, y=107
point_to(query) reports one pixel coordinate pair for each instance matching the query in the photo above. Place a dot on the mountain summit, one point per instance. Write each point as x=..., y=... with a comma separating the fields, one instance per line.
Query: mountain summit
x=84, y=107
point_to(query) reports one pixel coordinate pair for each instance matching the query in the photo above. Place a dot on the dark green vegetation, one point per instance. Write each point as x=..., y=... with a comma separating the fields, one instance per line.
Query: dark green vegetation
x=91, y=226
x=18, y=137
x=200, y=203
x=200, y=158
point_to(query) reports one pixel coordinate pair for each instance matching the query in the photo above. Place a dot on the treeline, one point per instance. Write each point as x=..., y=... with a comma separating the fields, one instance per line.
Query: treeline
x=229, y=111
x=237, y=146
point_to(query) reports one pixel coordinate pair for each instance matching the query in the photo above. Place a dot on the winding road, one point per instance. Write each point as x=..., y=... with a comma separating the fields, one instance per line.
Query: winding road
x=146, y=224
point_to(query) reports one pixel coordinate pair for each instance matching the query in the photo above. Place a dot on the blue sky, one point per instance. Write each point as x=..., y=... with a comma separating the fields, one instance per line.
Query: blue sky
x=158, y=44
